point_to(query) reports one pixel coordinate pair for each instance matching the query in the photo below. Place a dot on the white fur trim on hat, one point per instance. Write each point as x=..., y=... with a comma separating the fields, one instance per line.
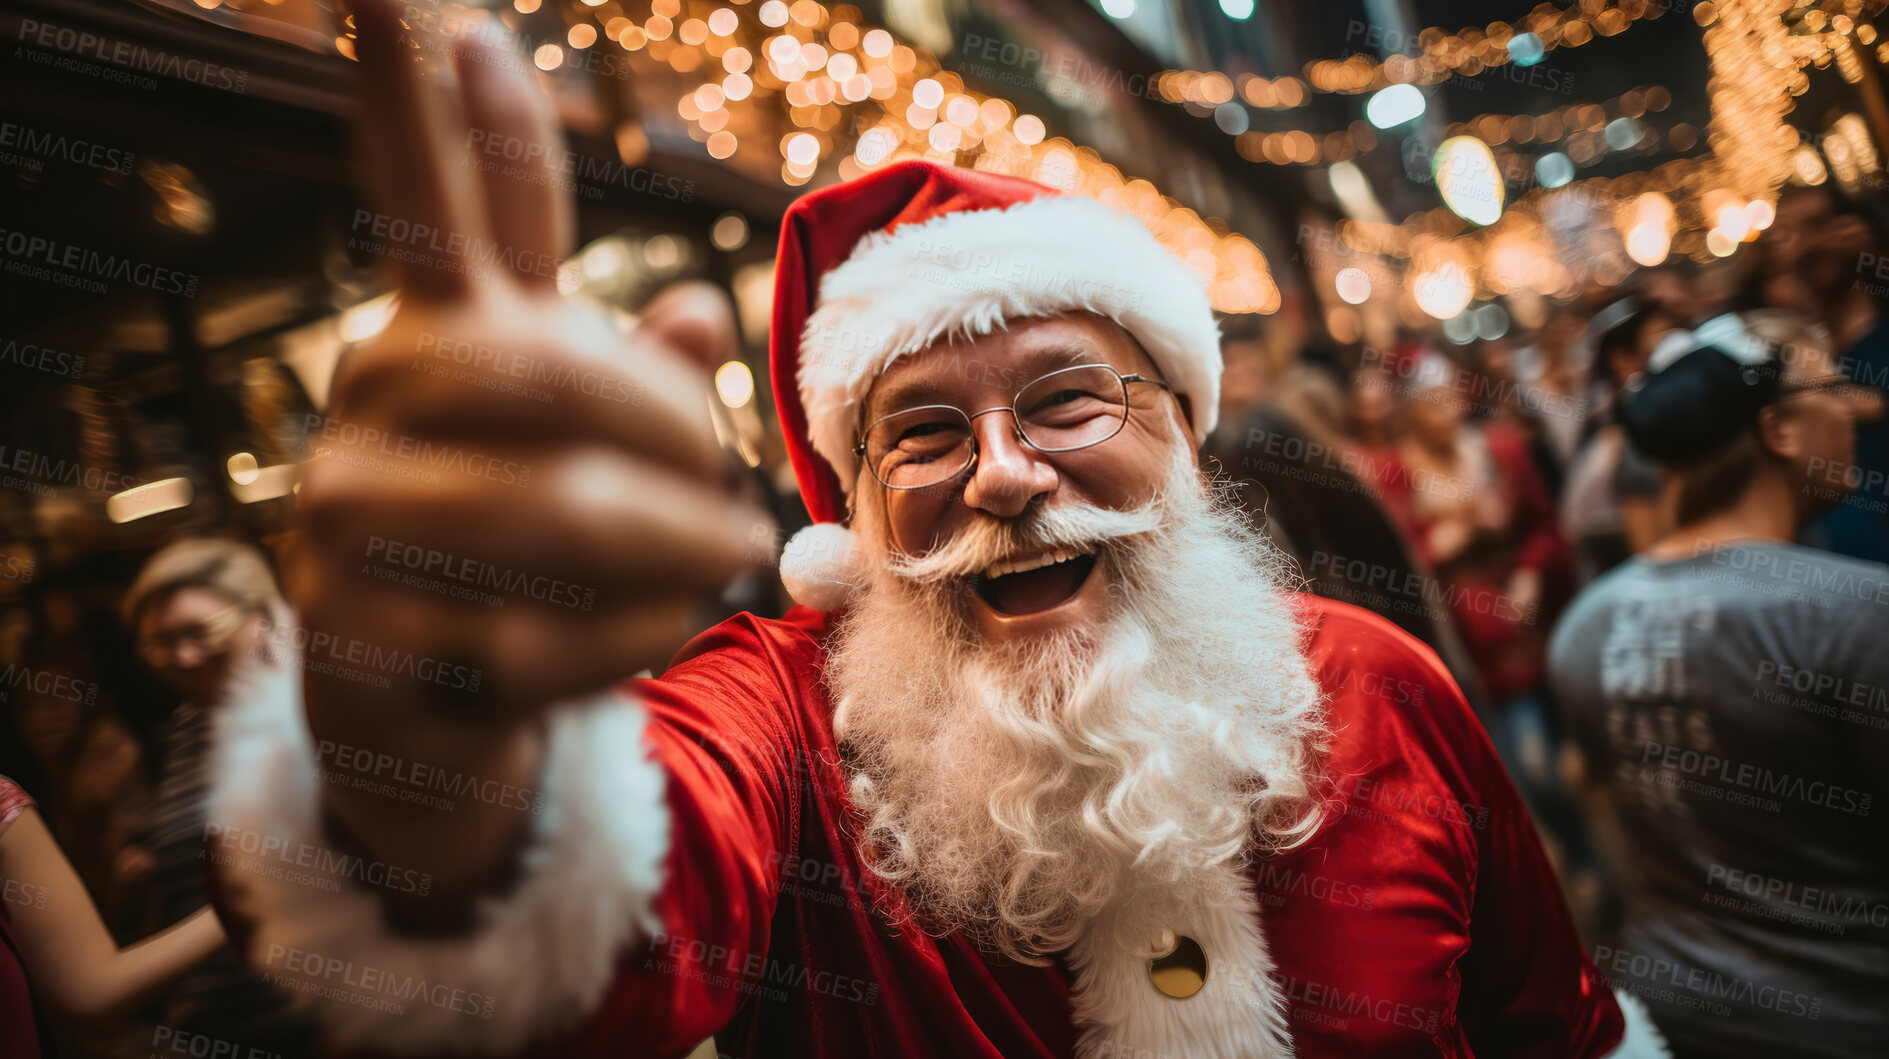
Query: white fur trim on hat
x=969, y=272
x=537, y=961
x=820, y=565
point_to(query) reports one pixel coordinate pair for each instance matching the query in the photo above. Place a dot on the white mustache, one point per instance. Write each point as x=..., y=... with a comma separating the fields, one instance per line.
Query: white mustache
x=988, y=541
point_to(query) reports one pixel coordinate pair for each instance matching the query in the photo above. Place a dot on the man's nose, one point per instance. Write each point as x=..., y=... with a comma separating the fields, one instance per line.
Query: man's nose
x=1009, y=474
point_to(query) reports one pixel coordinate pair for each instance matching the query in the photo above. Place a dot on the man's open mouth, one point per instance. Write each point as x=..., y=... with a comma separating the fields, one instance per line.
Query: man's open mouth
x=1026, y=586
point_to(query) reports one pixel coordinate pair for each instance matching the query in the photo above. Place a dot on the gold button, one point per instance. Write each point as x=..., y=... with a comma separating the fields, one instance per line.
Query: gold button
x=1182, y=970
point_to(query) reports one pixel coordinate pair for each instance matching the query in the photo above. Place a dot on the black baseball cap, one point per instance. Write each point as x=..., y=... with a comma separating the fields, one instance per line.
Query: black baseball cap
x=1700, y=390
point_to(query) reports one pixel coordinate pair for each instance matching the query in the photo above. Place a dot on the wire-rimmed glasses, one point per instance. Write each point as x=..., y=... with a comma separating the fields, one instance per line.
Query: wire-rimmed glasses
x=1065, y=410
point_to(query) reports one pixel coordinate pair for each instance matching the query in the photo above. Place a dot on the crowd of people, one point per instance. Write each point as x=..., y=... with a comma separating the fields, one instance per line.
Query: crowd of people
x=1645, y=539
x=1648, y=542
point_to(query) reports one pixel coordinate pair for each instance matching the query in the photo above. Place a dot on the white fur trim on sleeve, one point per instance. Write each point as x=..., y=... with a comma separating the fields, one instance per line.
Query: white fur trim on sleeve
x=969, y=272
x=538, y=959
x=1642, y=1039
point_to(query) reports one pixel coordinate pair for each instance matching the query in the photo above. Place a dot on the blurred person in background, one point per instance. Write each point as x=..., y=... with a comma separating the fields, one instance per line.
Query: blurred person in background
x=1671, y=290
x=1610, y=508
x=1554, y=367
x=1729, y=692
x=1469, y=499
x=1370, y=401
x=1823, y=256
x=85, y=768
x=199, y=609
x=1250, y=374
x=1305, y=484
x=1501, y=399
x=55, y=952
x=1467, y=496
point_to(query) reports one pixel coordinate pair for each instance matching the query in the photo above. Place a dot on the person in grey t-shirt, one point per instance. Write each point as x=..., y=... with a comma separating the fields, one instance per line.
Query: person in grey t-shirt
x=1729, y=692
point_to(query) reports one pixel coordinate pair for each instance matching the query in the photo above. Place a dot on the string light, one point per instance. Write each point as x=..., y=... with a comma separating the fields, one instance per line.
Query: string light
x=815, y=86
x=1467, y=52
x=819, y=89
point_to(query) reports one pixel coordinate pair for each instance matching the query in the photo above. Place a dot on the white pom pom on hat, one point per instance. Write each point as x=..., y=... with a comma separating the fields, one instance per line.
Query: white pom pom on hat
x=887, y=264
x=821, y=565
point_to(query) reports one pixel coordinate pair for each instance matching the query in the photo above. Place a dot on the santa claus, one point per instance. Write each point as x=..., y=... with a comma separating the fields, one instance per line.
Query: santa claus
x=1051, y=761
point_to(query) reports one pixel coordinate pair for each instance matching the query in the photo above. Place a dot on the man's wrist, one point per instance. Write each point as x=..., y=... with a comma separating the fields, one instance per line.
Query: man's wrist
x=452, y=799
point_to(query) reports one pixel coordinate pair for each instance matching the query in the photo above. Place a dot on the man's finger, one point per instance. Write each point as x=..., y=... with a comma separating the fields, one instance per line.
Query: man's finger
x=486, y=659
x=466, y=382
x=513, y=141
x=620, y=523
x=426, y=215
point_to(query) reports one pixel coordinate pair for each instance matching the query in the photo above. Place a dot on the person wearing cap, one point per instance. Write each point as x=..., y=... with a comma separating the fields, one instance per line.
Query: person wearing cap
x=1729, y=692
x=1048, y=763
x=1609, y=508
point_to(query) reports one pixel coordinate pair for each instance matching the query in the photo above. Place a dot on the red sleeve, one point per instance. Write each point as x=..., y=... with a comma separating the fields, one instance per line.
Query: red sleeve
x=1528, y=987
x=725, y=726
x=13, y=802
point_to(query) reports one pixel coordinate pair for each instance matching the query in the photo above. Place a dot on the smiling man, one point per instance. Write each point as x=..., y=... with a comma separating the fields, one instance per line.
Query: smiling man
x=1050, y=761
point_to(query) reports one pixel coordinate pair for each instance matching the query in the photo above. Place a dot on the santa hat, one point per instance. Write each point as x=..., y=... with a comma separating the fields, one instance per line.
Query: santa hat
x=885, y=265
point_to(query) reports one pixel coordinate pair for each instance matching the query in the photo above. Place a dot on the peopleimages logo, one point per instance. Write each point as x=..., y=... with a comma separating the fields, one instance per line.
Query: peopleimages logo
x=434, y=31
x=328, y=654
x=1676, y=983
x=1814, y=899
x=79, y=45
x=1071, y=78
x=517, y=158
x=46, y=683
x=30, y=357
x=479, y=357
x=424, y=244
x=540, y=587
x=40, y=257
x=36, y=472
x=274, y=854
x=313, y=969
x=352, y=443
x=418, y=776
x=38, y=144
x=1712, y=768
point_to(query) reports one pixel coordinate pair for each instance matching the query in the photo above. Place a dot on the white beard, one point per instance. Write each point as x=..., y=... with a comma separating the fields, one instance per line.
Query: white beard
x=1015, y=791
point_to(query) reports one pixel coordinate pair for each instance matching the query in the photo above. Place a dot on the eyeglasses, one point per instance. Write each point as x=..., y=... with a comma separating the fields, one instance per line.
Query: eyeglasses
x=208, y=636
x=1065, y=410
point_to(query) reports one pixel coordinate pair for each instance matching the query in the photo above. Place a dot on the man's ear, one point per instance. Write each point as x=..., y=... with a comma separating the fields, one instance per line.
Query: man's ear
x=1778, y=433
x=1187, y=412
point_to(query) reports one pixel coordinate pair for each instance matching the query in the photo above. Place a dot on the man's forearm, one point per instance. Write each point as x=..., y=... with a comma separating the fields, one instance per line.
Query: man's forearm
x=451, y=798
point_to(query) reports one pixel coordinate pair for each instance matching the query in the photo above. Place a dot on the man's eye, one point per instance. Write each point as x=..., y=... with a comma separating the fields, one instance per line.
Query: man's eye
x=923, y=430
x=1064, y=403
x=930, y=438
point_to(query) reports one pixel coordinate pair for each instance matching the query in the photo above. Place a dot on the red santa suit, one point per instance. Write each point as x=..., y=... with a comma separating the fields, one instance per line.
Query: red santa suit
x=697, y=869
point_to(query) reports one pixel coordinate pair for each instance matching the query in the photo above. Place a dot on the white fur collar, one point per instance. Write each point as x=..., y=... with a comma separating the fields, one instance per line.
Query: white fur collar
x=1238, y=1013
